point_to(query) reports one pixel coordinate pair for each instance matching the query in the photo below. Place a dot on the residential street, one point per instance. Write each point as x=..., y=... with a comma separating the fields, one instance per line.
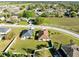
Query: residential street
x=39, y=26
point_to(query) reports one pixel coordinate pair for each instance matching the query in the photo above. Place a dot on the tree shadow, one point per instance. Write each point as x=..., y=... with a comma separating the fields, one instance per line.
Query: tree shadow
x=52, y=49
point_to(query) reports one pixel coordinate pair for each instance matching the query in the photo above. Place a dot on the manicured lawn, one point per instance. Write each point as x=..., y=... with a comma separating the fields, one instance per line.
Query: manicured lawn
x=28, y=43
x=66, y=23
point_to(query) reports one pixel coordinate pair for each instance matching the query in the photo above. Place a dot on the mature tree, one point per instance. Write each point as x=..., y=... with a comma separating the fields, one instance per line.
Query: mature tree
x=22, y=7
x=29, y=51
x=44, y=15
x=5, y=10
x=39, y=20
x=41, y=46
x=73, y=14
x=37, y=54
x=27, y=14
x=9, y=54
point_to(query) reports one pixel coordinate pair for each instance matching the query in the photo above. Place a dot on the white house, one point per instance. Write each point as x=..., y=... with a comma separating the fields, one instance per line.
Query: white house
x=38, y=11
x=2, y=18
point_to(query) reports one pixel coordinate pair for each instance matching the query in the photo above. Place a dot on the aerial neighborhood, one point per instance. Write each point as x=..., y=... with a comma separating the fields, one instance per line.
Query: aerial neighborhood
x=39, y=29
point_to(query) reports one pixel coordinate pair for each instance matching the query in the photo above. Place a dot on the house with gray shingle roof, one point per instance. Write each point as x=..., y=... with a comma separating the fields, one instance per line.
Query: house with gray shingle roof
x=26, y=34
x=71, y=50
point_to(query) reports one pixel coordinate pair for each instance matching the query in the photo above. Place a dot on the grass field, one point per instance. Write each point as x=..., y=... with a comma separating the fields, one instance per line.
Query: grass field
x=44, y=53
x=23, y=23
x=62, y=38
x=13, y=3
x=28, y=43
x=66, y=23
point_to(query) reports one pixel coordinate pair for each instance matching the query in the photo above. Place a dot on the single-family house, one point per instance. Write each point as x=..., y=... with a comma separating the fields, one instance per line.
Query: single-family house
x=24, y=19
x=38, y=11
x=50, y=10
x=3, y=32
x=26, y=34
x=31, y=21
x=42, y=35
x=70, y=50
x=14, y=18
x=2, y=18
x=28, y=7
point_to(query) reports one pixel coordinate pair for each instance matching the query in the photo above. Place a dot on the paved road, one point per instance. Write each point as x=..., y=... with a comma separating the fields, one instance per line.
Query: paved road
x=39, y=26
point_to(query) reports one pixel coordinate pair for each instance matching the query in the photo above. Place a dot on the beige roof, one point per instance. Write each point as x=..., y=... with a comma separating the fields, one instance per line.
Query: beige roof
x=44, y=35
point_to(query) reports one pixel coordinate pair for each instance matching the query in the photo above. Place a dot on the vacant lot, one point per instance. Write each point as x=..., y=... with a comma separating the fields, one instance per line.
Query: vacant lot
x=66, y=23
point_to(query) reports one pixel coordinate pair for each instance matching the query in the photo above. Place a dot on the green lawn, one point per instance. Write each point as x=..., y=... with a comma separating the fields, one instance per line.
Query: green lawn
x=13, y=3
x=23, y=23
x=28, y=43
x=62, y=37
x=43, y=53
x=66, y=23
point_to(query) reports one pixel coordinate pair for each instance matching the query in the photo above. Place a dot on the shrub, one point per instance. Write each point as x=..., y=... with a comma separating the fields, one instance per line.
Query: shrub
x=1, y=54
x=9, y=54
x=44, y=15
x=73, y=14
x=41, y=46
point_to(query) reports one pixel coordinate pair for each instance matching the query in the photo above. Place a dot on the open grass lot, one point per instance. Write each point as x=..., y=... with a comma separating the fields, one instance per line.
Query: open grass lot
x=23, y=23
x=66, y=23
x=31, y=43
